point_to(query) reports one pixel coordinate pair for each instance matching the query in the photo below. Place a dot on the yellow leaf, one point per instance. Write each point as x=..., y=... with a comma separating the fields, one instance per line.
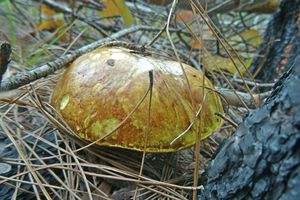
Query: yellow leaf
x=117, y=8
x=51, y=24
x=52, y=19
x=111, y=9
x=47, y=11
x=216, y=62
x=197, y=43
x=266, y=6
x=250, y=36
x=253, y=37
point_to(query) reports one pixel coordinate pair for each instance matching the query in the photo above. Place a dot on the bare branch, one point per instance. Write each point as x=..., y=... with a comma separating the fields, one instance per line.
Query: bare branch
x=24, y=78
x=233, y=98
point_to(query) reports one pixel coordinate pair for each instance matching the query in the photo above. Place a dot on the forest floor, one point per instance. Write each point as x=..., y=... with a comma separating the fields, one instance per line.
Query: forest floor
x=39, y=159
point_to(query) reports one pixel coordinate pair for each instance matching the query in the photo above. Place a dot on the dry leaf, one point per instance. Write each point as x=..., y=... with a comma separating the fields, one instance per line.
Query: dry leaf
x=216, y=62
x=117, y=8
x=184, y=16
x=53, y=20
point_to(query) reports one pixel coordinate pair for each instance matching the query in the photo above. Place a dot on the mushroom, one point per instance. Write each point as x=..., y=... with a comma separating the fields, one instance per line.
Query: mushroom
x=104, y=96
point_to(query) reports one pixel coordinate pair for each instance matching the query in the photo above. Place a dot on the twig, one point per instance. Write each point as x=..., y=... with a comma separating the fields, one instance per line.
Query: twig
x=24, y=78
x=235, y=125
x=251, y=83
x=146, y=10
x=234, y=116
x=157, y=36
x=234, y=97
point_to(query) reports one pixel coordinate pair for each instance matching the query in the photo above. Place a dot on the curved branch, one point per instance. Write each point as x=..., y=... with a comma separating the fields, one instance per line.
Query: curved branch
x=24, y=78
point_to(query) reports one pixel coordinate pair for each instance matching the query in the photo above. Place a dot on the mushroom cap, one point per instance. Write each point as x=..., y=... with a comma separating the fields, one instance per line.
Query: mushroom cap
x=102, y=88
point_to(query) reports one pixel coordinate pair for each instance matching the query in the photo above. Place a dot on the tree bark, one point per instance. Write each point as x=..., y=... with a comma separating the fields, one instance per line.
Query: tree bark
x=262, y=159
x=281, y=43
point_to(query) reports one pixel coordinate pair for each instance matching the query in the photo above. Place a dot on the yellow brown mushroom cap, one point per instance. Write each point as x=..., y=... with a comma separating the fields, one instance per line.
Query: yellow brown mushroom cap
x=100, y=89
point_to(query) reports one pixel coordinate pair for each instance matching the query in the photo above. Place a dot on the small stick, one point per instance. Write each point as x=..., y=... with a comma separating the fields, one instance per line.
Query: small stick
x=240, y=99
x=227, y=119
x=24, y=78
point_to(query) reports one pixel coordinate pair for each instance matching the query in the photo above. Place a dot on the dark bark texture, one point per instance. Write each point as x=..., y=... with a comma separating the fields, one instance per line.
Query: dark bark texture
x=262, y=159
x=282, y=37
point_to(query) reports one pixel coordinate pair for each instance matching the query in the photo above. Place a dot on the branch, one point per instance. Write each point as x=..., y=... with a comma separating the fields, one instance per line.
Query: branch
x=234, y=100
x=24, y=78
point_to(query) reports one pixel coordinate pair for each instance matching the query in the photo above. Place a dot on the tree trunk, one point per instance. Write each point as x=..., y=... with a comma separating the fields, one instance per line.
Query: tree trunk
x=262, y=159
x=281, y=43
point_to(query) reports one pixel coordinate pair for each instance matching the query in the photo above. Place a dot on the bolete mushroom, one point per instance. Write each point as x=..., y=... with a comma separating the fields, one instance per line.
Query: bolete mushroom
x=106, y=94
